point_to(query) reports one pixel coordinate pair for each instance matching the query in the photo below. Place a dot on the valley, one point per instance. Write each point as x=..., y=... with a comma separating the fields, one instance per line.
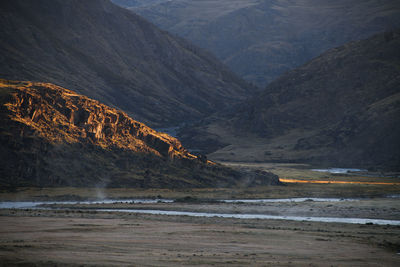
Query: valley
x=262, y=39
x=124, y=144
x=339, y=109
x=114, y=56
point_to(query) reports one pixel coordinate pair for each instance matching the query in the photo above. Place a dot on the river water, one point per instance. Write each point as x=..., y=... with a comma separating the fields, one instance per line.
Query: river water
x=259, y=216
x=37, y=205
x=299, y=199
x=338, y=170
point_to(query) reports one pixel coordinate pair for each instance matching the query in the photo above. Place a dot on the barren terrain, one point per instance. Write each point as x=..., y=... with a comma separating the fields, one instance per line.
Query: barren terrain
x=85, y=235
x=91, y=238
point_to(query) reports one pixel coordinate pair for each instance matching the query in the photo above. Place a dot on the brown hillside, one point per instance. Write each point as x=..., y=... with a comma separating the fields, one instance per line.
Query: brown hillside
x=61, y=115
x=112, y=55
x=51, y=136
x=340, y=109
x=262, y=39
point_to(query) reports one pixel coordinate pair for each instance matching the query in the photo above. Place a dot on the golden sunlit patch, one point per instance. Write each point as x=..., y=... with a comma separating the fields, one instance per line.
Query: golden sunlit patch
x=283, y=180
x=61, y=115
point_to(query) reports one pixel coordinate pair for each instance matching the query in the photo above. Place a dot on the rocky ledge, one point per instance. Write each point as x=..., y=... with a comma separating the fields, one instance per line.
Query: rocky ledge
x=61, y=115
x=52, y=136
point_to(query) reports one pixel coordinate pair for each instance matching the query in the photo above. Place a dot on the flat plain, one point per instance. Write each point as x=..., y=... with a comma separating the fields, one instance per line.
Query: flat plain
x=86, y=235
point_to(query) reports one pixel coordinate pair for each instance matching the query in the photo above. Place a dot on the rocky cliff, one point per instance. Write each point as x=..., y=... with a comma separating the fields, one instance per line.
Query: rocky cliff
x=60, y=115
x=52, y=136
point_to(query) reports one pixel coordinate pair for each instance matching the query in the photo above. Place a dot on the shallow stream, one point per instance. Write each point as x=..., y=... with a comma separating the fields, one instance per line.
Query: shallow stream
x=259, y=216
x=37, y=205
x=339, y=170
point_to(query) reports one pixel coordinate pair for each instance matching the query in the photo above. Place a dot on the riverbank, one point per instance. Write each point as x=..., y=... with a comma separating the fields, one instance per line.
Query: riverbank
x=375, y=208
x=288, y=190
x=83, y=233
x=342, y=185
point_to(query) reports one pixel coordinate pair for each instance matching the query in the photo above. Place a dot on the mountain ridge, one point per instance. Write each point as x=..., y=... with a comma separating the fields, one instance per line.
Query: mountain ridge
x=82, y=119
x=262, y=39
x=114, y=56
x=339, y=109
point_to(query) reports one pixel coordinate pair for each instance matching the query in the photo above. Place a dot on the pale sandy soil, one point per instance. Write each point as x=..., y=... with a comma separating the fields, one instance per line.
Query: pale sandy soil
x=94, y=238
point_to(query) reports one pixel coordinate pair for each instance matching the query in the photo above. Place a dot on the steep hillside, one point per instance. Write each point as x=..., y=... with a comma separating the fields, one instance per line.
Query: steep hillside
x=262, y=39
x=51, y=136
x=340, y=109
x=112, y=55
x=137, y=3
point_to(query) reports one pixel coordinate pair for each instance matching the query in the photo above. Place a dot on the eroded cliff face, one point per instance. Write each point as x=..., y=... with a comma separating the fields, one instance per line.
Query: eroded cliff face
x=51, y=136
x=61, y=115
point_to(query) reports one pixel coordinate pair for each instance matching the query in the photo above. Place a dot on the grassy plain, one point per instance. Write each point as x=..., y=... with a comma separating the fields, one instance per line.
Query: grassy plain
x=374, y=185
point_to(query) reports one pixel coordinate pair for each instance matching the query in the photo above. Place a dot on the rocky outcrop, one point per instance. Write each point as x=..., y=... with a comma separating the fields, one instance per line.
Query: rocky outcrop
x=51, y=136
x=61, y=115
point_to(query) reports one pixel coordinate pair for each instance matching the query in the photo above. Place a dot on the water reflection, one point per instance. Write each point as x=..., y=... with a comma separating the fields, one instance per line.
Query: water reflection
x=339, y=170
x=36, y=204
x=259, y=216
x=300, y=199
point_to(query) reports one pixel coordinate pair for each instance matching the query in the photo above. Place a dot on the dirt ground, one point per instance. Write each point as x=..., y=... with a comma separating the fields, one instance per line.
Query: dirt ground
x=84, y=236
x=59, y=238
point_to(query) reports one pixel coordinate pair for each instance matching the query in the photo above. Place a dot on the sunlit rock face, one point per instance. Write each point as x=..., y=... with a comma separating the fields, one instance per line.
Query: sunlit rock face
x=61, y=115
x=52, y=136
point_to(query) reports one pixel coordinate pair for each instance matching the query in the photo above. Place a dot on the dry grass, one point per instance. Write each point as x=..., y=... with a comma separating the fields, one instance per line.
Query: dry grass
x=286, y=171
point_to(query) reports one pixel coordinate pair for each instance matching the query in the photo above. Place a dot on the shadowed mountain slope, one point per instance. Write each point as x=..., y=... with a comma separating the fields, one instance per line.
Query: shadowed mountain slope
x=340, y=109
x=112, y=55
x=262, y=39
x=51, y=136
x=137, y=3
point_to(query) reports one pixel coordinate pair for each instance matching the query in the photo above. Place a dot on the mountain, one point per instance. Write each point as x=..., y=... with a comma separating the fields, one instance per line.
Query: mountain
x=262, y=39
x=340, y=109
x=137, y=3
x=51, y=136
x=112, y=55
